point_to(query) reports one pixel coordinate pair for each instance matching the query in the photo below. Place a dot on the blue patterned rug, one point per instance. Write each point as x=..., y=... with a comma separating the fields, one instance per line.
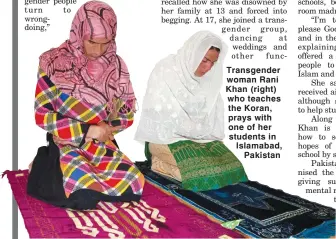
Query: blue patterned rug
x=266, y=212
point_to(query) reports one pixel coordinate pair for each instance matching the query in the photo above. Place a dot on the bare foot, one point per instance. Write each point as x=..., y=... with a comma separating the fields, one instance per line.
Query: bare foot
x=29, y=167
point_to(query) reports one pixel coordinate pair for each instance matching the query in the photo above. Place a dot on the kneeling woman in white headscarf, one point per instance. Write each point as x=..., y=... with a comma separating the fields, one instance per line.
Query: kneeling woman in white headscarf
x=182, y=118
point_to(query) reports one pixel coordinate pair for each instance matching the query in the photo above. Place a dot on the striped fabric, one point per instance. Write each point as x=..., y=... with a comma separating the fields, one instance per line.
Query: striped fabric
x=92, y=165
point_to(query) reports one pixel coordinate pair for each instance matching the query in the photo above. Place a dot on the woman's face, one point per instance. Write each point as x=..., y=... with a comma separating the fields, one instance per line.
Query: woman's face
x=96, y=47
x=207, y=62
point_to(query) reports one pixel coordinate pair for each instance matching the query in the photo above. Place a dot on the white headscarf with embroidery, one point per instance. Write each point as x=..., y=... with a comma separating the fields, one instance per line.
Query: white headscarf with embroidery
x=180, y=106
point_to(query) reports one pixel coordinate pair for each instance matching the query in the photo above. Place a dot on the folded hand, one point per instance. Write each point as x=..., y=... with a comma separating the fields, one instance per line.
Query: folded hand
x=102, y=132
x=58, y=140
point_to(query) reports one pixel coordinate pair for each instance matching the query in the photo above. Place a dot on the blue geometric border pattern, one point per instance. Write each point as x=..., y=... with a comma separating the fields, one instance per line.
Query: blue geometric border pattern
x=266, y=222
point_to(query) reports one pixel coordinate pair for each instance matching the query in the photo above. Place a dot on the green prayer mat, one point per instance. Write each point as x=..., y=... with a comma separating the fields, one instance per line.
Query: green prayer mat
x=205, y=166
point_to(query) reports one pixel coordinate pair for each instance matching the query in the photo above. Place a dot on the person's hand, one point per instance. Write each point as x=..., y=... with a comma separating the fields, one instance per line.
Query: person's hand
x=101, y=132
x=30, y=167
x=58, y=140
x=115, y=128
x=110, y=129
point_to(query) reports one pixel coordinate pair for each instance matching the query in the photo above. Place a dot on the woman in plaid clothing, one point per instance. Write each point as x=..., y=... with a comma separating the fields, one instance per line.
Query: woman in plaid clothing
x=84, y=97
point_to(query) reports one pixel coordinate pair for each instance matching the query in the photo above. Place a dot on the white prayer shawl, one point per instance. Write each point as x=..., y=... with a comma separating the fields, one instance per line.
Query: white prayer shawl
x=177, y=104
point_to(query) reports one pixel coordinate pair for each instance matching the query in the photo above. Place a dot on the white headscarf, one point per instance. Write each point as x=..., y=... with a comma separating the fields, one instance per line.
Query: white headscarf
x=180, y=106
